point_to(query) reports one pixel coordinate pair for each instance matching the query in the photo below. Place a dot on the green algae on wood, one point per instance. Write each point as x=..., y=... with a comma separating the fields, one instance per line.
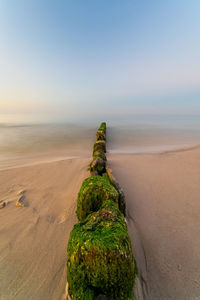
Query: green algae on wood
x=99, y=146
x=97, y=166
x=103, y=127
x=99, y=256
x=99, y=154
x=93, y=192
x=101, y=135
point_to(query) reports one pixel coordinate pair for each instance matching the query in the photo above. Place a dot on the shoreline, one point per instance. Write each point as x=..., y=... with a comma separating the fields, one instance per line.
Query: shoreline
x=37, y=160
x=157, y=150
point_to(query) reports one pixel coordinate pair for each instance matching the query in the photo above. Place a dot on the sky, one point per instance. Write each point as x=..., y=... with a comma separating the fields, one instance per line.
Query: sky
x=75, y=59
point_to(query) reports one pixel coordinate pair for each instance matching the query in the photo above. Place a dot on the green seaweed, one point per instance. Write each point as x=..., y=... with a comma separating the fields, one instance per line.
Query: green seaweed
x=97, y=166
x=101, y=135
x=99, y=256
x=99, y=154
x=93, y=192
x=103, y=127
x=99, y=146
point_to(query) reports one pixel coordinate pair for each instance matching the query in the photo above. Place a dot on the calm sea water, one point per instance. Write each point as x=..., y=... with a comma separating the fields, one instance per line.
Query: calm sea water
x=144, y=134
x=21, y=143
x=25, y=144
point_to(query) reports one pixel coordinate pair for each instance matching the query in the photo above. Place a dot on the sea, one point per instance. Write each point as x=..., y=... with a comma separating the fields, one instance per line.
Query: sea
x=25, y=143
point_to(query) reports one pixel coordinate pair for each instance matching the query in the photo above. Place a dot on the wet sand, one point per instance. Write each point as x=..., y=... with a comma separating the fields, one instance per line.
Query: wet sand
x=33, y=239
x=163, y=214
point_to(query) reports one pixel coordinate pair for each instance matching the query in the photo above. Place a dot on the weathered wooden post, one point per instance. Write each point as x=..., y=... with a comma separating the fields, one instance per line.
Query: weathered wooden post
x=100, y=261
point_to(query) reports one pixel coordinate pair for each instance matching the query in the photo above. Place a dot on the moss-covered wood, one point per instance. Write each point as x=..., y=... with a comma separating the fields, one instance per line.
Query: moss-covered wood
x=99, y=256
x=101, y=135
x=99, y=146
x=99, y=154
x=98, y=166
x=93, y=192
x=103, y=127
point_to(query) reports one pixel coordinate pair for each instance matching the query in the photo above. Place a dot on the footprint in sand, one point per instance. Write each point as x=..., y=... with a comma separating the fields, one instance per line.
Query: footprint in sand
x=50, y=219
x=2, y=204
x=21, y=201
x=21, y=192
x=64, y=216
x=61, y=219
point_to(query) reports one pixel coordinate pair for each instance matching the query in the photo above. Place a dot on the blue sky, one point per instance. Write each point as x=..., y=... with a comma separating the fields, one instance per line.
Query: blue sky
x=73, y=59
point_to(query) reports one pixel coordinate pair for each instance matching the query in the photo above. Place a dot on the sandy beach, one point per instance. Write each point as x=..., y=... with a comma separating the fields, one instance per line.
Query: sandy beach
x=33, y=239
x=163, y=213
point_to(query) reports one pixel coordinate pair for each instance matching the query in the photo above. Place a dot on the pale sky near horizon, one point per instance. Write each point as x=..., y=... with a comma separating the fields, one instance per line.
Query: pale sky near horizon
x=80, y=58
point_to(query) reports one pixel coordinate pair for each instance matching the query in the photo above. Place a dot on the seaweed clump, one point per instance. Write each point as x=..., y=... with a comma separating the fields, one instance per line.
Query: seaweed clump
x=93, y=192
x=100, y=256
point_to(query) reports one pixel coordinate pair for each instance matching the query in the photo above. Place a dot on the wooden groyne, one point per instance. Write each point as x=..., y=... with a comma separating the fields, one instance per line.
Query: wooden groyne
x=100, y=262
